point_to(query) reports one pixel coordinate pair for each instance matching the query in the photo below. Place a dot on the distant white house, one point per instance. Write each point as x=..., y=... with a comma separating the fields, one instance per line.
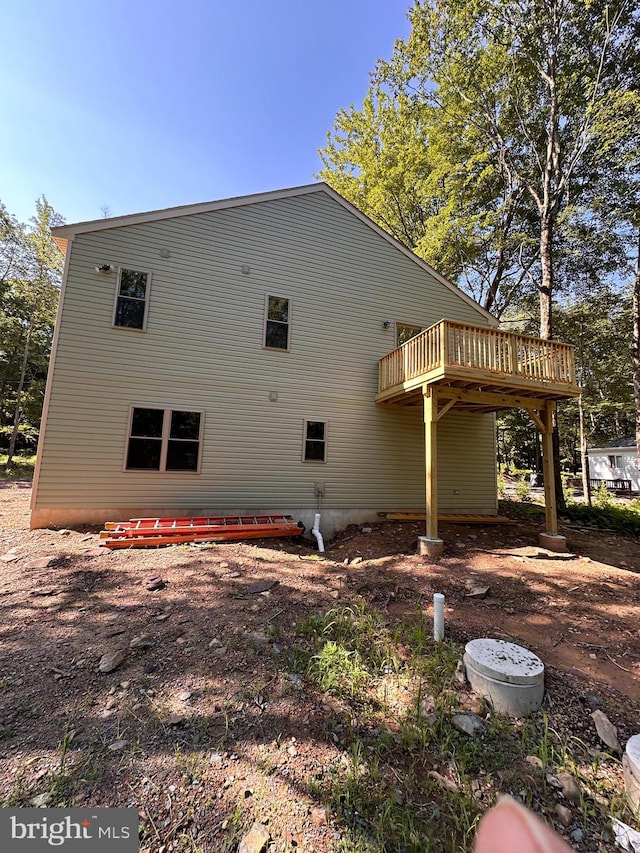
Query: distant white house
x=616, y=461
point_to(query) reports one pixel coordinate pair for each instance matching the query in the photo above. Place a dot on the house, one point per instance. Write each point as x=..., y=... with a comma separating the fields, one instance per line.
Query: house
x=616, y=462
x=224, y=358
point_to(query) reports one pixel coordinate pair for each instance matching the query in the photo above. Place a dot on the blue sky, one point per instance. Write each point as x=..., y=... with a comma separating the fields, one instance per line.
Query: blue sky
x=144, y=104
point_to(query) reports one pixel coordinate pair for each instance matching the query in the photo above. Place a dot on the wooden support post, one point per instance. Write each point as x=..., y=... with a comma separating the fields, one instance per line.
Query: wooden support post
x=550, y=539
x=431, y=461
x=551, y=514
x=430, y=545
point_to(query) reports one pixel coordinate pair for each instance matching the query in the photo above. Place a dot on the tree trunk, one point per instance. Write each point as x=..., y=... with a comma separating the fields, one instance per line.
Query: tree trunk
x=546, y=282
x=546, y=328
x=17, y=414
x=636, y=348
x=586, y=488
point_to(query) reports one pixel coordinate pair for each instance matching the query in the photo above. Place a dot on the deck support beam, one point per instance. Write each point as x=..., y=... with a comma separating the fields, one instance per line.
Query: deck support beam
x=430, y=545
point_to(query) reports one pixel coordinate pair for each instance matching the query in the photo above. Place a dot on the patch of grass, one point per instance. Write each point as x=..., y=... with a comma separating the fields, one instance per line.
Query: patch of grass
x=337, y=670
x=353, y=628
x=22, y=467
x=408, y=780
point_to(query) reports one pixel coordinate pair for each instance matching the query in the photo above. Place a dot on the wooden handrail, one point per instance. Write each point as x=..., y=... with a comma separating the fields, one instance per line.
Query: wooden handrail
x=483, y=348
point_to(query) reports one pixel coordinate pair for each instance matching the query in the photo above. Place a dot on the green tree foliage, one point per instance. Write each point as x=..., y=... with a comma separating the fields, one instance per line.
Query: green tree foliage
x=600, y=326
x=479, y=135
x=31, y=265
x=432, y=190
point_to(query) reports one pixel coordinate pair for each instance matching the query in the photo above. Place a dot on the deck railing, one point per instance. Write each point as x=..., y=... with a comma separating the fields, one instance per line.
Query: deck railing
x=483, y=349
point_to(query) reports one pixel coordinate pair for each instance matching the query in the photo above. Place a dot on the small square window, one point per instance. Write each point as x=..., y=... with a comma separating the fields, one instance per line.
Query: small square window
x=132, y=299
x=406, y=331
x=164, y=440
x=315, y=441
x=277, y=320
x=615, y=461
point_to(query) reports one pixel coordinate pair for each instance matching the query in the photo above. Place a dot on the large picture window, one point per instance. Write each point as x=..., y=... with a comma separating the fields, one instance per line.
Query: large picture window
x=132, y=299
x=277, y=320
x=164, y=440
x=315, y=441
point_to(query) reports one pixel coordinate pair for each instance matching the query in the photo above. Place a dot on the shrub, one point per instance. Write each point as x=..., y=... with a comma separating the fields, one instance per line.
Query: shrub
x=523, y=490
x=602, y=498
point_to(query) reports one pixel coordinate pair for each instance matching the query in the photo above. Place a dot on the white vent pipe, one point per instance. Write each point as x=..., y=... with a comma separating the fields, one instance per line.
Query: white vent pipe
x=316, y=532
x=438, y=616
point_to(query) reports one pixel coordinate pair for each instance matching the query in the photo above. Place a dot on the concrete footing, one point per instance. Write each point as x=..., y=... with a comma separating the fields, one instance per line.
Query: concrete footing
x=429, y=547
x=553, y=542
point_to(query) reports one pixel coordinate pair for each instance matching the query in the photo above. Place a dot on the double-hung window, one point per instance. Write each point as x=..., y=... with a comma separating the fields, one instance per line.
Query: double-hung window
x=315, y=441
x=277, y=322
x=132, y=299
x=164, y=440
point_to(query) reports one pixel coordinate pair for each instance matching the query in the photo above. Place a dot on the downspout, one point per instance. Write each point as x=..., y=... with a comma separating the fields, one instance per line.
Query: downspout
x=316, y=532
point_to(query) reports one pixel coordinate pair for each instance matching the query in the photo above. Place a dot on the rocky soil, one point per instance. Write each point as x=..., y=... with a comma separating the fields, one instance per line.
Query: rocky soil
x=179, y=696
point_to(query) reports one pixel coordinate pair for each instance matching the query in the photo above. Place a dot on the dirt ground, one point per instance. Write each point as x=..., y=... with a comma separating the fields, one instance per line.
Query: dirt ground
x=208, y=653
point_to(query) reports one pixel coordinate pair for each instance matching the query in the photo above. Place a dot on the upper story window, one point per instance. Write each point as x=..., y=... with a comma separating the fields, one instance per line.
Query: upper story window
x=615, y=461
x=315, y=441
x=277, y=320
x=132, y=299
x=406, y=331
x=164, y=440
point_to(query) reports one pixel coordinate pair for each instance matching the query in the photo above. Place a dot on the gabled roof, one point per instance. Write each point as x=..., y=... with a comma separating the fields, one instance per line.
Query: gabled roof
x=63, y=233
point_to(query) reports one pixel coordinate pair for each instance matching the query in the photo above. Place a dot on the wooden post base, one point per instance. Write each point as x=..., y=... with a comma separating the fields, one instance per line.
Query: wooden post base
x=429, y=547
x=553, y=542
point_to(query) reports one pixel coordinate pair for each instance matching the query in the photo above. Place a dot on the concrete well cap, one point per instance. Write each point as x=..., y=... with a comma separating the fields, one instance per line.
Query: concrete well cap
x=504, y=661
x=632, y=751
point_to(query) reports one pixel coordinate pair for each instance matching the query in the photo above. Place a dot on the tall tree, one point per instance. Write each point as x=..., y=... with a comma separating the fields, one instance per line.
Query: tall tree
x=433, y=190
x=528, y=80
x=32, y=264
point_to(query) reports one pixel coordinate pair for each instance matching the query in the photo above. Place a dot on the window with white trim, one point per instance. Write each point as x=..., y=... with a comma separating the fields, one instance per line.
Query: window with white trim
x=315, y=441
x=164, y=440
x=615, y=461
x=277, y=321
x=132, y=299
x=406, y=331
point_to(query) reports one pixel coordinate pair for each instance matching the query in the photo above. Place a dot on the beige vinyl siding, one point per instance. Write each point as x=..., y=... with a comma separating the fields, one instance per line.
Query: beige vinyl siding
x=203, y=350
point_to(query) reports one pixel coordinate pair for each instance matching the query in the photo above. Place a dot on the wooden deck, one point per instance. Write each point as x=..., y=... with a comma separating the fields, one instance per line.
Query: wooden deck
x=480, y=368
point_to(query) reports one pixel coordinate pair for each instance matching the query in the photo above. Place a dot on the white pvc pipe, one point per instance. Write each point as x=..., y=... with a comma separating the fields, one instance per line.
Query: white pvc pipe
x=438, y=616
x=316, y=532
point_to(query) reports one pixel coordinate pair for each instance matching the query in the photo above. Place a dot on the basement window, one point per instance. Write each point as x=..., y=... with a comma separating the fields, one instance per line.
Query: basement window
x=277, y=320
x=315, y=441
x=132, y=299
x=164, y=440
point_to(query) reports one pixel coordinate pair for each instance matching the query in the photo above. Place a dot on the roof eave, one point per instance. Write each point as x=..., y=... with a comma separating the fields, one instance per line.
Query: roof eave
x=64, y=232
